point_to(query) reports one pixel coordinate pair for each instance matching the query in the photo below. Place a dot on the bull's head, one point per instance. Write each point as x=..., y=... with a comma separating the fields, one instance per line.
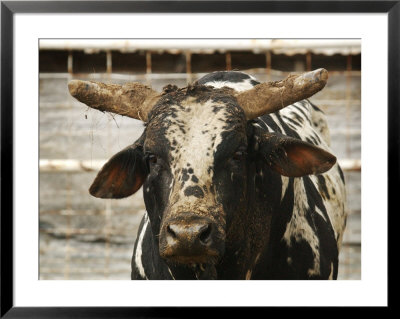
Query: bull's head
x=195, y=154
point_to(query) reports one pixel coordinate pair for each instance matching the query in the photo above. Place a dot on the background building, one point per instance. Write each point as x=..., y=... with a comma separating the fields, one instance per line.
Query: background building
x=82, y=237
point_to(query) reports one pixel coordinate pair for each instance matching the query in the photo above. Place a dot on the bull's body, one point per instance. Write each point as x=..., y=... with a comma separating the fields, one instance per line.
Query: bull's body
x=236, y=186
x=288, y=228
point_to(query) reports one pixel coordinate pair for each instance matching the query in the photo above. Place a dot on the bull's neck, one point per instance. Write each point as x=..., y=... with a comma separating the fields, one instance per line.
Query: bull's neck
x=249, y=236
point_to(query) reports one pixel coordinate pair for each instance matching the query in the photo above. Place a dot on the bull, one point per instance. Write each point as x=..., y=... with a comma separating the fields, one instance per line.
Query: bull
x=238, y=178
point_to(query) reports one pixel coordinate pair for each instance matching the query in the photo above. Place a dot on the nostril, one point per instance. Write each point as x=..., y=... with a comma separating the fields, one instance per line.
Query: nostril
x=205, y=234
x=171, y=232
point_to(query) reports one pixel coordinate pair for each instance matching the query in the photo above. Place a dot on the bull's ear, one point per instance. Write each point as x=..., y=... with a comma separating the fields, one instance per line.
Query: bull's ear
x=293, y=157
x=122, y=175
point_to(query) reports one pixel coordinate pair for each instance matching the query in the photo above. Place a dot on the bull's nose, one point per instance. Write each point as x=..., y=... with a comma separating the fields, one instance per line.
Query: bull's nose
x=190, y=235
x=190, y=240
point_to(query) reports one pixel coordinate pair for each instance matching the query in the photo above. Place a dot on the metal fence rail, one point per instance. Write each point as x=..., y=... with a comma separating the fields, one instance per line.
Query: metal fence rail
x=73, y=166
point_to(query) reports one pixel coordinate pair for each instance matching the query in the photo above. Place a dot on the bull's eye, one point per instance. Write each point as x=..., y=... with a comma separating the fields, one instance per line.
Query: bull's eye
x=151, y=159
x=239, y=155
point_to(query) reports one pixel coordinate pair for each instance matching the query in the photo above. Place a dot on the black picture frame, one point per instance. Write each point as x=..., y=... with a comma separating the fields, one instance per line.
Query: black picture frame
x=9, y=8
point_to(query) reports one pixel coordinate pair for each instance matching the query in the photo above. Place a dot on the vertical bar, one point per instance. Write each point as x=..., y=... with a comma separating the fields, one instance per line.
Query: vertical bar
x=108, y=203
x=308, y=61
x=109, y=62
x=268, y=61
x=228, y=61
x=67, y=257
x=348, y=136
x=393, y=131
x=148, y=68
x=70, y=63
x=348, y=99
x=188, y=56
x=7, y=163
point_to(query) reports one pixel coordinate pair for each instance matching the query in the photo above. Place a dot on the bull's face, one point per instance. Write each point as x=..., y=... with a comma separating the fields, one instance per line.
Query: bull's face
x=193, y=162
x=195, y=148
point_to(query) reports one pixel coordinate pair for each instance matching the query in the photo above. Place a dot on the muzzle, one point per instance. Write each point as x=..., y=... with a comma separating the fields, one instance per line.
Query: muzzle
x=191, y=239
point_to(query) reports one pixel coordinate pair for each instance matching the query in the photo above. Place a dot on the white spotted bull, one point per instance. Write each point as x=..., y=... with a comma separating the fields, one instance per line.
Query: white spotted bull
x=238, y=178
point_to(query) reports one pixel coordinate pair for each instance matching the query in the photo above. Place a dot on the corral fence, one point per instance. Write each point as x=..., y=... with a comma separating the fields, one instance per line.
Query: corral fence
x=82, y=237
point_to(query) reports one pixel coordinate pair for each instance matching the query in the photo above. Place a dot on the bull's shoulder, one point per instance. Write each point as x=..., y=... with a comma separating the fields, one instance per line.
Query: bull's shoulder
x=316, y=214
x=332, y=191
x=312, y=235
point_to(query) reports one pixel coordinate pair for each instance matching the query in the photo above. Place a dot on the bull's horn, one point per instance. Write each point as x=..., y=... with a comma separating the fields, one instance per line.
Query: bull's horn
x=270, y=97
x=134, y=100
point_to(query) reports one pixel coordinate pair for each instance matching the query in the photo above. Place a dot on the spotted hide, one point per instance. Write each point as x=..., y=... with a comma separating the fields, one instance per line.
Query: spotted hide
x=228, y=197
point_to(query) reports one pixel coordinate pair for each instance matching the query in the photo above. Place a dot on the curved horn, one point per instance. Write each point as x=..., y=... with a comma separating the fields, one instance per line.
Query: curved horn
x=270, y=97
x=134, y=100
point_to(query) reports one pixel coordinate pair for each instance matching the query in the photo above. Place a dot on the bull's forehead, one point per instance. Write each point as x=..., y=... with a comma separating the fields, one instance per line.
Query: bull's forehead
x=195, y=131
